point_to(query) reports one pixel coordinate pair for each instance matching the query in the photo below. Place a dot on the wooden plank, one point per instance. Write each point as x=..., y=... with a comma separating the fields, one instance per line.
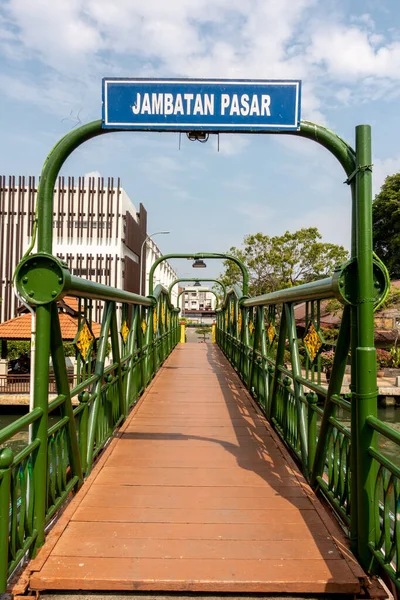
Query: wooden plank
x=121, y=573
x=194, y=477
x=195, y=516
x=128, y=453
x=145, y=497
x=93, y=546
x=182, y=531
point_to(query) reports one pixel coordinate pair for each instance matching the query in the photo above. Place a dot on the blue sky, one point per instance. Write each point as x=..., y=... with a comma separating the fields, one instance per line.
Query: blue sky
x=346, y=52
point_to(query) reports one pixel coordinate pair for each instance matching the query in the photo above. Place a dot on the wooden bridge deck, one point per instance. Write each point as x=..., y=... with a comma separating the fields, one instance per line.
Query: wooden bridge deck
x=196, y=493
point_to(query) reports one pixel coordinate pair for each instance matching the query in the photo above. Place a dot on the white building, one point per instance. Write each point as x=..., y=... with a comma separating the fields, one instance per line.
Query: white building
x=164, y=273
x=97, y=230
x=197, y=302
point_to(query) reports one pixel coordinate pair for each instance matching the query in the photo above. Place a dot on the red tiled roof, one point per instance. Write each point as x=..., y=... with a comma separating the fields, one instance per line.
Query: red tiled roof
x=20, y=327
x=72, y=303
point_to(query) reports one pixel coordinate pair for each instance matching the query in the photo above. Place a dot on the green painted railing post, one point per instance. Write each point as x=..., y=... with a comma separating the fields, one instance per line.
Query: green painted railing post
x=83, y=429
x=99, y=371
x=61, y=376
x=334, y=387
x=312, y=400
x=280, y=353
x=298, y=390
x=132, y=376
x=364, y=396
x=286, y=392
x=40, y=427
x=6, y=459
x=122, y=398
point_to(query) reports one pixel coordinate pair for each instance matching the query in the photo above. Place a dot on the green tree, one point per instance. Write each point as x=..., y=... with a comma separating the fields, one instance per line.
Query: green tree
x=386, y=224
x=283, y=261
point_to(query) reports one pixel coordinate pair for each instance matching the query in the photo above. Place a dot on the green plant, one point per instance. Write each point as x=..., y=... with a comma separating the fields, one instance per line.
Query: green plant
x=383, y=358
x=327, y=359
x=330, y=335
x=16, y=348
x=204, y=331
x=395, y=354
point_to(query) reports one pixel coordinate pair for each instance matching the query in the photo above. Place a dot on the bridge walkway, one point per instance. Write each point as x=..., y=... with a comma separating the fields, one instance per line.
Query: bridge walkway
x=196, y=493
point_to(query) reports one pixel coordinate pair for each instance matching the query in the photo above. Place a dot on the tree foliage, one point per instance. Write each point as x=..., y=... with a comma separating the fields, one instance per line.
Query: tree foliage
x=283, y=261
x=386, y=224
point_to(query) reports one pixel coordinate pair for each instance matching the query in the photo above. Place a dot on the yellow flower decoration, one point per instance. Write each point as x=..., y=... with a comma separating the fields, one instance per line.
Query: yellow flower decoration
x=312, y=341
x=124, y=331
x=271, y=332
x=155, y=321
x=162, y=314
x=84, y=341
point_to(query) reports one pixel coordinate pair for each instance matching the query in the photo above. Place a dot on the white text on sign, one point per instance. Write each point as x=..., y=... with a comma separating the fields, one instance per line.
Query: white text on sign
x=202, y=104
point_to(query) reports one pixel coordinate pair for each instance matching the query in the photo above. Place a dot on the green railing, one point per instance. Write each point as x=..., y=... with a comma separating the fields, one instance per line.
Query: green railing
x=313, y=417
x=136, y=336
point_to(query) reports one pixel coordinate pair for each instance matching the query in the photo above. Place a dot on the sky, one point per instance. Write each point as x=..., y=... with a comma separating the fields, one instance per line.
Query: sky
x=54, y=53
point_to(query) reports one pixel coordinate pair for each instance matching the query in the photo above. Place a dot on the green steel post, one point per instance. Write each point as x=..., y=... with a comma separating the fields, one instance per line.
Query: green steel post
x=39, y=427
x=287, y=382
x=353, y=416
x=312, y=400
x=83, y=429
x=364, y=397
x=296, y=370
x=133, y=365
x=99, y=371
x=60, y=373
x=149, y=360
x=123, y=405
x=246, y=344
x=256, y=338
x=280, y=353
x=334, y=387
x=6, y=459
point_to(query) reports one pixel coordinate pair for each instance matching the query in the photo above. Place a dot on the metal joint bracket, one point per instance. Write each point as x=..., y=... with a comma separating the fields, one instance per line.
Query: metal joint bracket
x=345, y=278
x=41, y=278
x=359, y=169
x=369, y=396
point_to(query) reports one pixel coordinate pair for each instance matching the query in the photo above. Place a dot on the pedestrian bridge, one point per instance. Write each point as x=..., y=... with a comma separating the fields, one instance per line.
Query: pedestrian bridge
x=227, y=467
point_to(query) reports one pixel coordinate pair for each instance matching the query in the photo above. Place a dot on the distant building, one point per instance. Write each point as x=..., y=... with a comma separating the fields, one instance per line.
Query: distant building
x=197, y=302
x=97, y=231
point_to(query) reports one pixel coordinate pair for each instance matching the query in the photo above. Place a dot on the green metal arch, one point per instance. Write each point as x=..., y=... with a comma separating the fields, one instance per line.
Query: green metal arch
x=196, y=256
x=73, y=139
x=197, y=279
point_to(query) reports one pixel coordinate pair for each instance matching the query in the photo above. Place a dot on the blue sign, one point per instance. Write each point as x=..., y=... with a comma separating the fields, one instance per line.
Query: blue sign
x=201, y=104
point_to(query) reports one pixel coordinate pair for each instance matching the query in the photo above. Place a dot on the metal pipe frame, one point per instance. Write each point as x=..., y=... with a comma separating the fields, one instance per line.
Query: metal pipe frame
x=196, y=256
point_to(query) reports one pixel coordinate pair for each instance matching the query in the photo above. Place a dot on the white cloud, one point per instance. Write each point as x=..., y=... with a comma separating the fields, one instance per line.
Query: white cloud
x=78, y=41
x=230, y=145
x=91, y=174
x=381, y=169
